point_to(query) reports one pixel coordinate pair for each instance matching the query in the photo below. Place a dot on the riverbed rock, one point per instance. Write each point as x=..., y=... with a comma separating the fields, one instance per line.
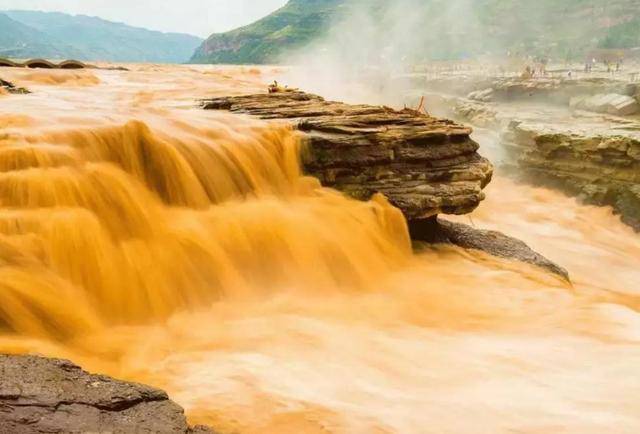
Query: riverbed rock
x=11, y=88
x=423, y=165
x=478, y=114
x=589, y=148
x=611, y=103
x=598, y=168
x=40, y=395
x=558, y=90
x=485, y=95
x=441, y=231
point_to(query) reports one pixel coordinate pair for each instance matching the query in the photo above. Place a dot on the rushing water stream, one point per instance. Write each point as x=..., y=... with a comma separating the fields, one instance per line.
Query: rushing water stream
x=152, y=241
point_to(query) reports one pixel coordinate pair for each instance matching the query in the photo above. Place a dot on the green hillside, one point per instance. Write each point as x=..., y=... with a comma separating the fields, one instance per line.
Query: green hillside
x=21, y=41
x=435, y=29
x=55, y=35
x=298, y=23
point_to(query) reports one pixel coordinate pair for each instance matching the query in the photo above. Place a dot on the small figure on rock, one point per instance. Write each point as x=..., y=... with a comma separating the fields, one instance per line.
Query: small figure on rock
x=276, y=88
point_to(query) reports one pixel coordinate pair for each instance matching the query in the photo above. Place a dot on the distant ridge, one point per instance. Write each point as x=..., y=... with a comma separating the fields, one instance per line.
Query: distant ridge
x=441, y=29
x=54, y=35
x=297, y=23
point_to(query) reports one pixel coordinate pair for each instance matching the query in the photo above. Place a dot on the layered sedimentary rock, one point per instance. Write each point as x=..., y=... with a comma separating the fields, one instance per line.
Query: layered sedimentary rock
x=551, y=90
x=600, y=95
x=600, y=169
x=611, y=103
x=39, y=395
x=423, y=165
x=577, y=135
x=540, y=89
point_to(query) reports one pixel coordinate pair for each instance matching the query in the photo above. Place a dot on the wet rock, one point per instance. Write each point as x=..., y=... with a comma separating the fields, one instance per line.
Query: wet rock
x=591, y=152
x=485, y=95
x=547, y=89
x=597, y=168
x=11, y=88
x=439, y=231
x=423, y=165
x=612, y=103
x=40, y=395
x=481, y=115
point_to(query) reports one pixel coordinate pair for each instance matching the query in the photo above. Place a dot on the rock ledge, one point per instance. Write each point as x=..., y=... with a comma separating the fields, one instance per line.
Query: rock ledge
x=425, y=166
x=40, y=395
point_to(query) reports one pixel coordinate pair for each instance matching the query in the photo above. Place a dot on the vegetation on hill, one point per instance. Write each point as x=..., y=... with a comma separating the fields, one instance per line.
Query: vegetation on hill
x=56, y=35
x=624, y=35
x=298, y=23
x=437, y=29
x=21, y=41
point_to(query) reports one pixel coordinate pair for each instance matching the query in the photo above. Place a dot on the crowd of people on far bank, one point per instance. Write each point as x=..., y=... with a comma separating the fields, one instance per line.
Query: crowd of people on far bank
x=538, y=67
x=612, y=66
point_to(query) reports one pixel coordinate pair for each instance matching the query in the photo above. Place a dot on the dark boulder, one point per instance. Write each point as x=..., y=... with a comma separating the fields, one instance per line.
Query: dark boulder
x=439, y=231
x=11, y=88
x=40, y=395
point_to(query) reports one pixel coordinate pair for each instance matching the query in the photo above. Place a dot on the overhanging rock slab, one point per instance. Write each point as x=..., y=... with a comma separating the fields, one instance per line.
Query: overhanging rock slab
x=425, y=166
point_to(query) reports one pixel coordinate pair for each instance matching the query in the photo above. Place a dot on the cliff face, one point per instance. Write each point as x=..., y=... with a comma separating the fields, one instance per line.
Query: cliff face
x=423, y=165
x=600, y=170
x=577, y=135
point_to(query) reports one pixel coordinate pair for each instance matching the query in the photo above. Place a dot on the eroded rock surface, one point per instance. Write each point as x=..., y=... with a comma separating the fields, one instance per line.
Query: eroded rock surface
x=578, y=135
x=39, y=395
x=611, y=103
x=600, y=169
x=548, y=90
x=423, y=165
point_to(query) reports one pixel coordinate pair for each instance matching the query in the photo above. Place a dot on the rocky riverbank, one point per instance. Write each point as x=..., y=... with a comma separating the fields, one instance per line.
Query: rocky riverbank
x=40, y=395
x=424, y=165
x=599, y=169
x=581, y=136
x=561, y=91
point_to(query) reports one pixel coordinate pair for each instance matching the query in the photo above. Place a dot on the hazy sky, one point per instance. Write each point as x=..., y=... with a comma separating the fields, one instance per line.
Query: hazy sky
x=198, y=17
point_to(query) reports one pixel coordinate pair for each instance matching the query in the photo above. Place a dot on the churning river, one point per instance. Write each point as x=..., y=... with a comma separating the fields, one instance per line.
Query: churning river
x=150, y=240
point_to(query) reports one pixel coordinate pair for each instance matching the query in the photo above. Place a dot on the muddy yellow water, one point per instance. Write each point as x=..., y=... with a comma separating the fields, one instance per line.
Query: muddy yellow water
x=150, y=240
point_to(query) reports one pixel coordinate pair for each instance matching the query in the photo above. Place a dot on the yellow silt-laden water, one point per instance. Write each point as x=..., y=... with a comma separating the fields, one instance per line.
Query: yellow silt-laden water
x=152, y=241
x=143, y=226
